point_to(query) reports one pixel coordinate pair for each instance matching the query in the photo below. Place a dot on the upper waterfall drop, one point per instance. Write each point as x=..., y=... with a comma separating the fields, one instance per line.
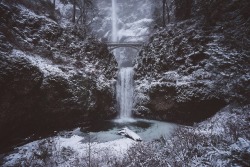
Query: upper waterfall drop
x=114, y=22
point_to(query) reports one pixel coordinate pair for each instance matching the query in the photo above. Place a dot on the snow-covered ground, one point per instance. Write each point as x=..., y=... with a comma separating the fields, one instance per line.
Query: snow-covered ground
x=79, y=151
x=102, y=146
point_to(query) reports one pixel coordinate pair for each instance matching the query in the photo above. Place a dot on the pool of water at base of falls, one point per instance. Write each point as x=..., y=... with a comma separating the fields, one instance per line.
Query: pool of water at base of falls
x=105, y=131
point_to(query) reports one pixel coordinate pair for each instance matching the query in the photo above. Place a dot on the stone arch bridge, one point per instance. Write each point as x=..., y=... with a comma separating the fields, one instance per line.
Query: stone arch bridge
x=115, y=45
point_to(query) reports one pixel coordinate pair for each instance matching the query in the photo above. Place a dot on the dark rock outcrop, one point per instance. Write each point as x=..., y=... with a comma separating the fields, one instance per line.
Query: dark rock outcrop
x=51, y=77
x=192, y=68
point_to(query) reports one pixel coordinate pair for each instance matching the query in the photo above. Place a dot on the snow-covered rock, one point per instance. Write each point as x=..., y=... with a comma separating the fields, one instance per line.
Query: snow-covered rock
x=49, y=72
x=190, y=68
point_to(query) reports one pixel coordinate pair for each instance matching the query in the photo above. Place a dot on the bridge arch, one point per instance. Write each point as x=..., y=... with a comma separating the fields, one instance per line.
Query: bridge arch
x=132, y=45
x=116, y=47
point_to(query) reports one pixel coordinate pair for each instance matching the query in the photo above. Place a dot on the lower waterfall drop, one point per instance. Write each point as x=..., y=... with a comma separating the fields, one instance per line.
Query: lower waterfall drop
x=125, y=91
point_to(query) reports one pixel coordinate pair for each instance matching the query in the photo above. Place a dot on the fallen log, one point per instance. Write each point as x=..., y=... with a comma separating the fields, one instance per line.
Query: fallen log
x=130, y=134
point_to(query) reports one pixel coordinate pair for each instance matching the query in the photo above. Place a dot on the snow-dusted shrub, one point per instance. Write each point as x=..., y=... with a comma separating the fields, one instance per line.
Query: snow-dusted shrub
x=193, y=147
x=50, y=153
x=187, y=147
x=145, y=155
x=57, y=151
x=240, y=152
x=237, y=125
x=220, y=141
x=40, y=154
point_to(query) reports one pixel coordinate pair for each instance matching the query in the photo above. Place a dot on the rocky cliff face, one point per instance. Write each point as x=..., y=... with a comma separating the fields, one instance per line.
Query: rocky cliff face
x=51, y=76
x=196, y=65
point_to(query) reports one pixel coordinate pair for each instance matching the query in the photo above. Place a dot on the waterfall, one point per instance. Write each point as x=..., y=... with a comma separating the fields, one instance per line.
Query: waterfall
x=124, y=86
x=125, y=90
x=114, y=22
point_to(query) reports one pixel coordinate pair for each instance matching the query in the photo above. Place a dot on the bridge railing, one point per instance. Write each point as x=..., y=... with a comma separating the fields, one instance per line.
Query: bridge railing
x=124, y=43
x=134, y=45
